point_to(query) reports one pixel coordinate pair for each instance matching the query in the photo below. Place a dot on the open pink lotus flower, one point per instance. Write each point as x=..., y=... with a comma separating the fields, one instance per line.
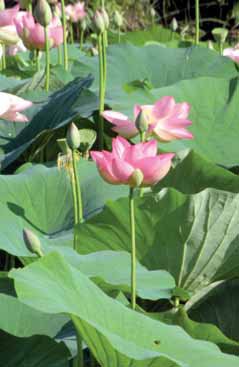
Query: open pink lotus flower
x=118, y=167
x=232, y=53
x=167, y=120
x=32, y=34
x=11, y=106
x=75, y=12
x=7, y=16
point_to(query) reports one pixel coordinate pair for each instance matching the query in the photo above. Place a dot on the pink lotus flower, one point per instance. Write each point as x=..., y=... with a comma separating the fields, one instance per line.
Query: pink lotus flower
x=166, y=120
x=75, y=12
x=232, y=53
x=11, y=106
x=119, y=166
x=7, y=16
x=32, y=34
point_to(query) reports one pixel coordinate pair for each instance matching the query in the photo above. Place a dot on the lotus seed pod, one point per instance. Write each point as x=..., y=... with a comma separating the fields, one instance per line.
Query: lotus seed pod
x=2, y=5
x=174, y=24
x=142, y=121
x=118, y=19
x=73, y=137
x=105, y=17
x=220, y=34
x=32, y=242
x=43, y=13
x=136, y=178
x=99, y=22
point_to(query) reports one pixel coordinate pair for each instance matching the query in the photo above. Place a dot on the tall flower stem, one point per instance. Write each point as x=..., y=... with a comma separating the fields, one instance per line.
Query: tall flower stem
x=47, y=49
x=104, y=47
x=101, y=92
x=82, y=33
x=59, y=54
x=197, y=21
x=4, y=64
x=119, y=35
x=37, y=60
x=64, y=35
x=78, y=218
x=71, y=33
x=133, y=248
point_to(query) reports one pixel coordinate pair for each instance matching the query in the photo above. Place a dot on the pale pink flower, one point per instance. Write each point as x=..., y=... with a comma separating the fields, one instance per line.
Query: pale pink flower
x=33, y=35
x=75, y=12
x=118, y=166
x=12, y=50
x=7, y=16
x=11, y=106
x=166, y=120
x=232, y=53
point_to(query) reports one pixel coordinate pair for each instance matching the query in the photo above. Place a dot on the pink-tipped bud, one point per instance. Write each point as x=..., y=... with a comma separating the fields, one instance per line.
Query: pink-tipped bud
x=43, y=13
x=99, y=22
x=73, y=137
x=136, y=178
x=32, y=242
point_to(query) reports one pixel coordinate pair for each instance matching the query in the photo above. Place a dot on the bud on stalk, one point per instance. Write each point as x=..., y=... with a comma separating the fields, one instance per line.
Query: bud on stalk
x=32, y=242
x=118, y=19
x=105, y=17
x=99, y=22
x=43, y=13
x=73, y=137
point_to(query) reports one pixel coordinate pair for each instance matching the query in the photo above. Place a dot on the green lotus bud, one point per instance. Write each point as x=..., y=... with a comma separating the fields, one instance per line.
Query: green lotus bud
x=73, y=136
x=7, y=37
x=152, y=12
x=2, y=5
x=220, y=34
x=142, y=121
x=43, y=13
x=32, y=242
x=136, y=178
x=105, y=17
x=99, y=22
x=174, y=24
x=118, y=19
x=210, y=45
x=83, y=24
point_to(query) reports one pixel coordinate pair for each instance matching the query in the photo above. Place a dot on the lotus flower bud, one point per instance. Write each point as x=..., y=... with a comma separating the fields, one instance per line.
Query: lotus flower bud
x=99, y=22
x=136, y=178
x=73, y=136
x=142, y=121
x=105, y=17
x=2, y=5
x=210, y=45
x=118, y=19
x=174, y=24
x=43, y=13
x=152, y=12
x=32, y=242
x=83, y=24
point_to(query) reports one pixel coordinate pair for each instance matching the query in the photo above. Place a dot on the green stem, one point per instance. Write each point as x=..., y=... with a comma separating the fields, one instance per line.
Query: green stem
x=118, y=34
x=81, y=39
x=104, y=46
x=197, y=21
x=71, y=33
x=133, y=249
x=4, y=64
x=78, y=188
x=59, y=54
x=142, y=139
x=29, y=8
x=47, y=48
x=37, y=60
x=77, y=197
x=221, y=48
x=64, y=35
x=79, y=359
x=101, y=93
